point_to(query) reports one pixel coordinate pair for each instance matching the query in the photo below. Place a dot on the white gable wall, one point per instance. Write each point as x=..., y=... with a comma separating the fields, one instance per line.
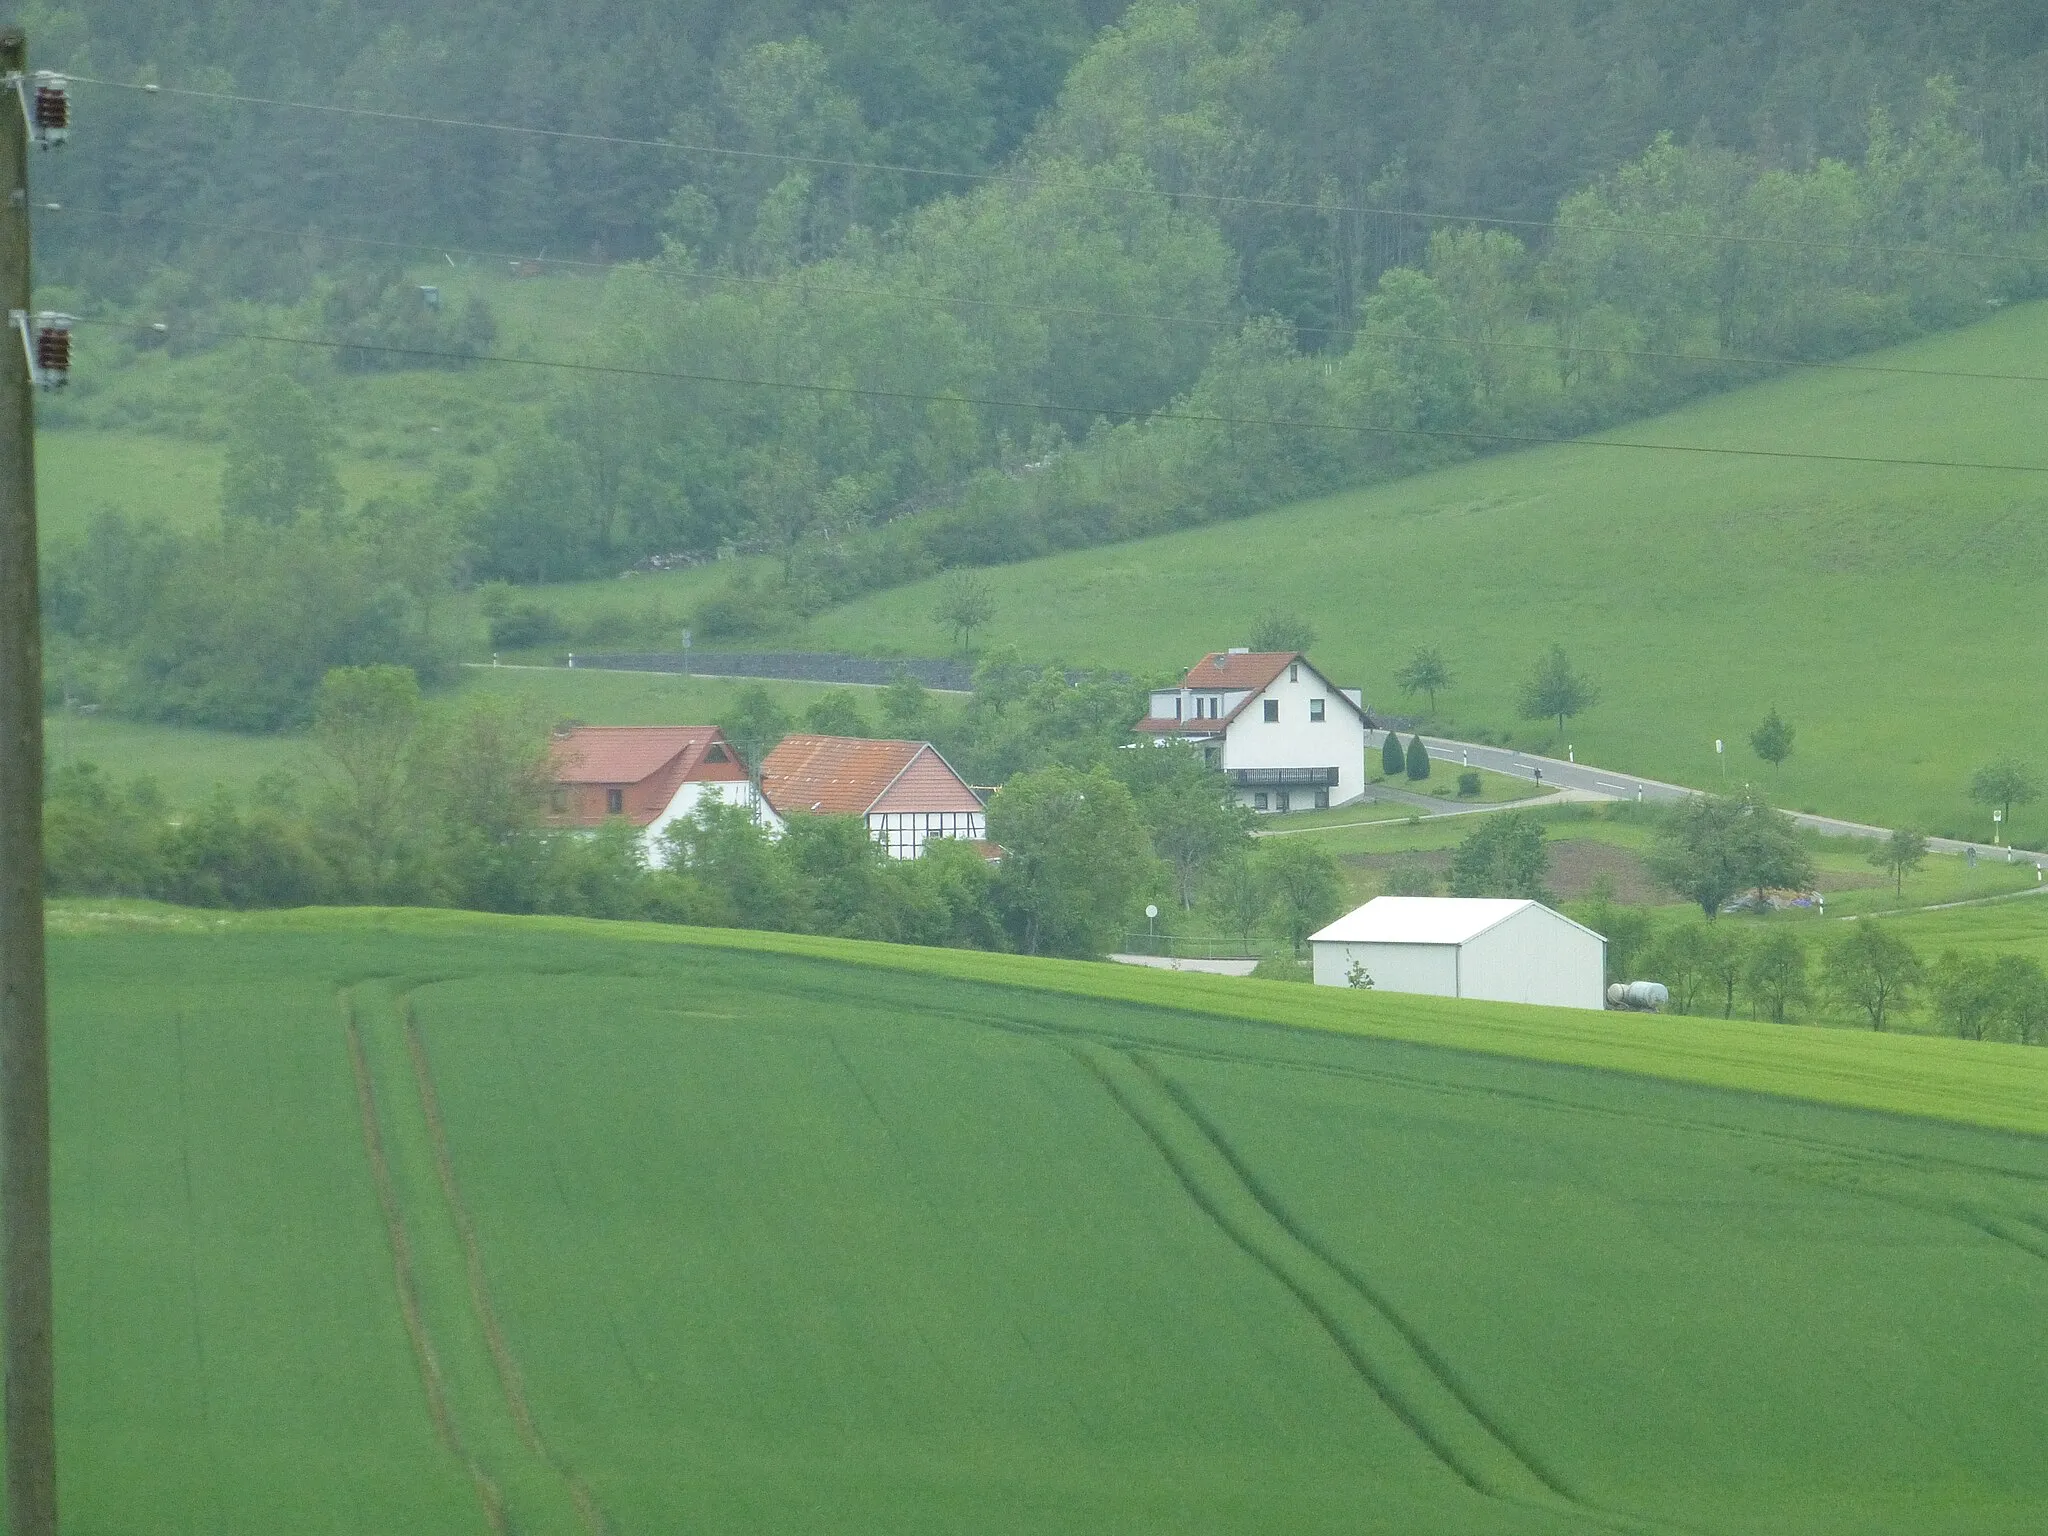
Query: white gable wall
x=1295, y=741
x=692, y=794
x=1536, y=956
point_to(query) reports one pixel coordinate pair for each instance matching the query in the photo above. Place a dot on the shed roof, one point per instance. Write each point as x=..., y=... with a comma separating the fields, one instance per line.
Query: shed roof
x=1428, y=920
x=848, y=775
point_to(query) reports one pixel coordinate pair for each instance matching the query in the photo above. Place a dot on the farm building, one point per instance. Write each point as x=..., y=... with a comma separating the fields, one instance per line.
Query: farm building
x=647, y=774
x=904, y=790
x=1285, y=737
x=1449, y=946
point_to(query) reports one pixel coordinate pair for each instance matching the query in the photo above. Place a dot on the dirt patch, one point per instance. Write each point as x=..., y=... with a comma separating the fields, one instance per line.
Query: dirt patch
x=1577, y=866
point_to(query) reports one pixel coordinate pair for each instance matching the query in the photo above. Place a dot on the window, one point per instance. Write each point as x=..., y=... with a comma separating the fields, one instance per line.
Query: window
x=1294, y=672
x=1272, y=710
x=559, y=800
x=1281, y=801
x=614, y=800
x=1322, y=799
x=1259, y=801
x=1176, y=706
x=1315, y=709
x=716, y=754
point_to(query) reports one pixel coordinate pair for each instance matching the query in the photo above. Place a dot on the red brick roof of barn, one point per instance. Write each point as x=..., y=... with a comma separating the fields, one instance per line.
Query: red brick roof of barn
x=851, y=776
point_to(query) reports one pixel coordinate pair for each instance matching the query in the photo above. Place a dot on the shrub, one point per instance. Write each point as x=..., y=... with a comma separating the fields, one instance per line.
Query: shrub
x=522, y=626
x=1392, y=762
x=1468, y=785
x=1418, y=759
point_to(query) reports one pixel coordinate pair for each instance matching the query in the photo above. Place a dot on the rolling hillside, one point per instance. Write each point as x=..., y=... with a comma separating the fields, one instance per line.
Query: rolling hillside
x=387, y=1220
x=1893, y=615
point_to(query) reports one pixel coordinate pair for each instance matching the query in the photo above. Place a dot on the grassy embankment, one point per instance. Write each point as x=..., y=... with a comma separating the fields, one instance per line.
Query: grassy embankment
x=750, y=1232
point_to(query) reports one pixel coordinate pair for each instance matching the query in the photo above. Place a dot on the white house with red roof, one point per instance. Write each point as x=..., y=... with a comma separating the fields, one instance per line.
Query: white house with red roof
x=645, y=775
x=905, y=791
x=1286, y=737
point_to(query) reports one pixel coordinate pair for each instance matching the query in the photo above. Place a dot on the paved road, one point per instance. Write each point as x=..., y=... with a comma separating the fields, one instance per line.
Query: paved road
x=1610, y=785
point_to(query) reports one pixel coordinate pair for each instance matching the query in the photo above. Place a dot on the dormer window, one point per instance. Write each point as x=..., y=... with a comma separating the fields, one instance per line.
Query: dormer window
x=716, y=754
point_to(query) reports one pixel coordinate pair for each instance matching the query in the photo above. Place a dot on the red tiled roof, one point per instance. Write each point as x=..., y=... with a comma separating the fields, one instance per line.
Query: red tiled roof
x=1249, y=672
x=846, y=775
x=627, y=754
x=1240, y=669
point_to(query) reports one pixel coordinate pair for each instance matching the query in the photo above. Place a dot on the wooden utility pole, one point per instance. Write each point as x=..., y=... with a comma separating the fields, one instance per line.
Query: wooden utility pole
x=28, y=1316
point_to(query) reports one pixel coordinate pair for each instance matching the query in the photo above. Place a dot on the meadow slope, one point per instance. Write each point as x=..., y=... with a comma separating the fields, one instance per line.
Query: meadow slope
x=1889, y=613
x=395, y=1220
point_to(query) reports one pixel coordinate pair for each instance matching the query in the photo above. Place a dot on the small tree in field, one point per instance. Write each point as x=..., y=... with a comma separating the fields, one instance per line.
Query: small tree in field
x=1393, y=762
x=1772, y=741
x=1556, y=690
x=1873, y=970
x=1426, y=672
x=1899, y=855
x=2003, y=785
x=966, y=603
x=1417, y=759
x=1776, y=976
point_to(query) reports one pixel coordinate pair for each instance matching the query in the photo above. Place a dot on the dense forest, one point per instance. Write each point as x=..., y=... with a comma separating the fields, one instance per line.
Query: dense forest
x=1012, y=275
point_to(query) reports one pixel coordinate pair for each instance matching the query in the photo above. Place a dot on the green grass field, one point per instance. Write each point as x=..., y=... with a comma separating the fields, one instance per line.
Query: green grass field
x=738, y=1233
x=1889, y=613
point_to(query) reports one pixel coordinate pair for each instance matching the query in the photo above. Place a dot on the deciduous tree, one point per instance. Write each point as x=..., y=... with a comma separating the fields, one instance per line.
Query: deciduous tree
x=1074, y=857
x=1425, y=672
x=1307, y=890
x=1874, y=970
x=966, y=603
x=1504, y=857
x=1557, y=690
x=1775, y=977
x=1772, y=741
x=2003, y=785
x=1899, y=855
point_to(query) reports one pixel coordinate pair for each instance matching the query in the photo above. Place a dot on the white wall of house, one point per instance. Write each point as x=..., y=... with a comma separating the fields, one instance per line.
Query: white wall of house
x=1296, y=739
x=903, y=834
x=690, y=796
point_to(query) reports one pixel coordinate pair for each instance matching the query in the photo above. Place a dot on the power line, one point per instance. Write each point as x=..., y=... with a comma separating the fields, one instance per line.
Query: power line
x=999, y=178
x=1516, y=439
x=803, y=284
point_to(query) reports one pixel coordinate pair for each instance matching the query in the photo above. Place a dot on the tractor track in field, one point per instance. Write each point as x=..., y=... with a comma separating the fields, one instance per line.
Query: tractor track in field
x=431, y=1377
x=506, y=1364
x=1386, y=1352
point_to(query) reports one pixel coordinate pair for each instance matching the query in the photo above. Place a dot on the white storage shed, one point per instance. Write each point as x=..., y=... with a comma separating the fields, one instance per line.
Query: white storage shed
x=1454, y=946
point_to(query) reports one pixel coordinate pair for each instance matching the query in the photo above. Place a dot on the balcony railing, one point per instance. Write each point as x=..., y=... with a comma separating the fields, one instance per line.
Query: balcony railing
x=1284, y=778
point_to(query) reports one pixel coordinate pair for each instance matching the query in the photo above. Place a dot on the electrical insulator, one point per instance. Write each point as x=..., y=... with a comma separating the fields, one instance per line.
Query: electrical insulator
x=50, y=116
x=53, y=350
x=46, y=339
